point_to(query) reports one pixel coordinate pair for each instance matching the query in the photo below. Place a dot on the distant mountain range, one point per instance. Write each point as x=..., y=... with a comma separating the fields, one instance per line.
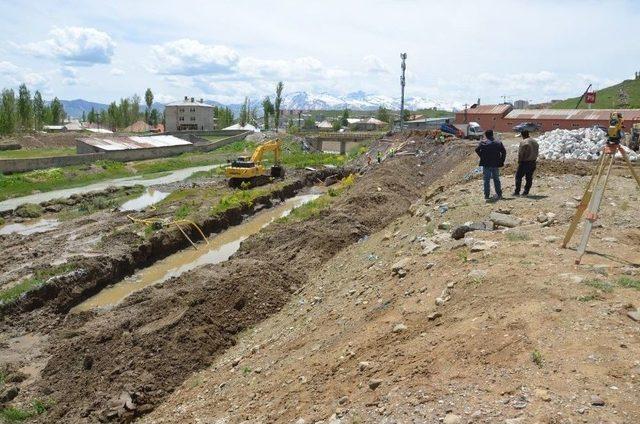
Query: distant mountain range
x=358, y=100
x=300, y=100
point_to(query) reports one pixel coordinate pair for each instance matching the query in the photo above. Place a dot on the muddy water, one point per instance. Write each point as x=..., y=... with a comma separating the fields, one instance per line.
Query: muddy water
x=30, y=227
x=172, y=177
x=148, y=198
x=219, y=249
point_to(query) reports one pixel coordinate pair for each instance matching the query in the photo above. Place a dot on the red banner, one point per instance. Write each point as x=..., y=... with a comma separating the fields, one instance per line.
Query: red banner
x=590, y=97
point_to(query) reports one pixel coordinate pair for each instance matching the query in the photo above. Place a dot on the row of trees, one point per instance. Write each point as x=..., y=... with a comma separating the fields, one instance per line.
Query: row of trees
x=125, y=112
x=26, y=113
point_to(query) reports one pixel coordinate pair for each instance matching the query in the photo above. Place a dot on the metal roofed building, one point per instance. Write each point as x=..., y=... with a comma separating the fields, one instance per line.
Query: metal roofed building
x=118, y=143
x=551, y=119
x=488, y=116
x=188, y=115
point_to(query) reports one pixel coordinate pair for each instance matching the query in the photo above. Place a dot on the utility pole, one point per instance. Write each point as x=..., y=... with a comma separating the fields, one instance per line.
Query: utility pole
x=299, y=115
x=403, y=56
x=466, y=106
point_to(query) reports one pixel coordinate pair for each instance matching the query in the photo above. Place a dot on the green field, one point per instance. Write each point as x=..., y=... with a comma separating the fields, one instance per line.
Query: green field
x=37, y=153
x=21, y=184
x=607, y=98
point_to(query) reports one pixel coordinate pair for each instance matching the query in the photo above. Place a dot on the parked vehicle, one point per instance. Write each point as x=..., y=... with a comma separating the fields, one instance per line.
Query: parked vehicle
x=471, y=131
x=527, y=126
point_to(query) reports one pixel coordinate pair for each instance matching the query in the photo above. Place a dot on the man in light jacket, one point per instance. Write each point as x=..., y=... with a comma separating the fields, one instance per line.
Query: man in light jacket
x=492, y=156
x=527, y=157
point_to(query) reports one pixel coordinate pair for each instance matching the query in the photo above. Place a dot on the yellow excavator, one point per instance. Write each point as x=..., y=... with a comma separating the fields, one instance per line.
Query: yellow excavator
x=251, y=171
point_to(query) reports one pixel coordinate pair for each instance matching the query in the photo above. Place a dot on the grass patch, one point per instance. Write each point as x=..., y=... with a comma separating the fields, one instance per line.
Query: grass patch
x=629, y=283
x=314, y=207
x=237, y=147
x=308, y=210
x=590, y=297
x=246, y=370
x=183, y=211
x=37, y=153
x=38, y=279
x=237, y=199
x=3, y=377
x=13, y=414
x=517, y=237
x=600, y=285
x=463, y=255
x=537, y=359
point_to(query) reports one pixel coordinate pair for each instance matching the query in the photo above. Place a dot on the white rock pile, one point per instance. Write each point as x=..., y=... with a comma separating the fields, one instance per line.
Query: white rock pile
x=583, y=144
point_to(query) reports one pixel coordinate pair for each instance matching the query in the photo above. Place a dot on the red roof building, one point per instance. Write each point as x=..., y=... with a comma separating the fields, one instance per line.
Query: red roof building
x=568, y=119
x=488, y=116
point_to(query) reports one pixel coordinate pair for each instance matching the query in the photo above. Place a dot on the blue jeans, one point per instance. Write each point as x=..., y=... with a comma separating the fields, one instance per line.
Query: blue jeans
x=489, y=173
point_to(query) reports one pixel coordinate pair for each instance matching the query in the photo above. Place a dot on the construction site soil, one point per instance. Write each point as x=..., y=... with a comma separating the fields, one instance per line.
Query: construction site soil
x=120, y=363
x=366, y=312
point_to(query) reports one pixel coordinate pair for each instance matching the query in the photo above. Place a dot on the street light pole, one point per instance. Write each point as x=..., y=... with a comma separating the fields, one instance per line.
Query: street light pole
x=403, y=56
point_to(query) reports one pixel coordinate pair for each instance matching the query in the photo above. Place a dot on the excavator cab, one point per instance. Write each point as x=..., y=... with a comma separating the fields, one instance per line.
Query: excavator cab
x=251, y=171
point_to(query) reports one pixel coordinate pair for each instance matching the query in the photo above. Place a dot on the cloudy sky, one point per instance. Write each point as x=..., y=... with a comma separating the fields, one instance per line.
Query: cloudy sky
x=225, y=50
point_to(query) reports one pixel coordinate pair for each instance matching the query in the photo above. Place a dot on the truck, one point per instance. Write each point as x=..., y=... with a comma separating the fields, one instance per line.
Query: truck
x=471, y=130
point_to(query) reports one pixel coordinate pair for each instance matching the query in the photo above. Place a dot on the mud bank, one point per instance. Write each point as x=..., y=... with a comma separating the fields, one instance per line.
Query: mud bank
x=120, y=364
x=91, y=275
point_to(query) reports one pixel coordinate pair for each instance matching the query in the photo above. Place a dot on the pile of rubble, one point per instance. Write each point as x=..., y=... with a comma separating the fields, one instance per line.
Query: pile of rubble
x=583, y=144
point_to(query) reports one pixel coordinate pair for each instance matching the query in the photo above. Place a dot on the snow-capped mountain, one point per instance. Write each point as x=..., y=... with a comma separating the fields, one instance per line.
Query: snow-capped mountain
x=358, y=100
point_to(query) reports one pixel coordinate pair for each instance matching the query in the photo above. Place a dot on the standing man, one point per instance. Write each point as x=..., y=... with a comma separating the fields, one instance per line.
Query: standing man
x=527, y=156
x=492, y=156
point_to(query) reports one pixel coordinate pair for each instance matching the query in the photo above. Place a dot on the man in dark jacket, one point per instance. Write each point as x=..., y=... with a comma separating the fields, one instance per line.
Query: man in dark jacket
x=492, y=156
x=527, y=156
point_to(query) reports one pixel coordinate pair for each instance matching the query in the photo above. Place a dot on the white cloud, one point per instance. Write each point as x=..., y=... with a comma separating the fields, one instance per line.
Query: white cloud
x=75, y=45
x=375, y=65
x=116, y=72
x=8, y=68
x=191, y=57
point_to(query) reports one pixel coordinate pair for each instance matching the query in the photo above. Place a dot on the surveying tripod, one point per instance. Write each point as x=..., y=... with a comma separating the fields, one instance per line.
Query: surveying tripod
x=593, y=195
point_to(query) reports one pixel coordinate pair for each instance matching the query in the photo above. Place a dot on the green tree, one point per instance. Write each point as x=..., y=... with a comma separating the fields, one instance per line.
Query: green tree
x=148, y=99
x=38, y=110
x=336, y=125
x=344, y=119
x=244, y=112
x=383, y=114
x=91, y=116
x=134, y=112
x=8, y=112
x=24, y=107
x=267, y=109
x=309, y=123
x=278, y=103
x=57, y=112
x=113, y=118
x=84, y=116
x=154, y=117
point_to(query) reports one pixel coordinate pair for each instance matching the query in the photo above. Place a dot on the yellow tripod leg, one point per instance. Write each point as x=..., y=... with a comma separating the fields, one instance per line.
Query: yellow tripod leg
x=584, y=202
x=592, y=213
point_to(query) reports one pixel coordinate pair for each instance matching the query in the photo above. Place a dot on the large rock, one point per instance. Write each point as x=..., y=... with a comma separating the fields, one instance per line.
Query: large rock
x=459, y=232
x=504, y=220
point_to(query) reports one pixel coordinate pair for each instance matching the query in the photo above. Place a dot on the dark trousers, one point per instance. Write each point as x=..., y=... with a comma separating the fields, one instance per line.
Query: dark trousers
x=491, y=173
x=526, y=170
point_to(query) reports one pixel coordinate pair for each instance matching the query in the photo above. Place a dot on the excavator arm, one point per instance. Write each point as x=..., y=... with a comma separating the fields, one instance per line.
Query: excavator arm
x=270, y=146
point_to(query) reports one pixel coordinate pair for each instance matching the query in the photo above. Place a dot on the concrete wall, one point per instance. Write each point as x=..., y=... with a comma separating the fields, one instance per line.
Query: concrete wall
x=10, y=166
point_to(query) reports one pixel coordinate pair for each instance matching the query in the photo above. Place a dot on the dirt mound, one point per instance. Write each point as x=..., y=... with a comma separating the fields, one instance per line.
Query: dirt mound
x=121, y=363
x=41, y=140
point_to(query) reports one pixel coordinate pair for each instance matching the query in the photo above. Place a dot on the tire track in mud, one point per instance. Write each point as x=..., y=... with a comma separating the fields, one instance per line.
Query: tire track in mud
x=120, y=364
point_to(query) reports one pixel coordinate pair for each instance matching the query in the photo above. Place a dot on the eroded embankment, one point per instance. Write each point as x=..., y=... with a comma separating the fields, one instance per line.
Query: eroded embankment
x=120, y=364
x=92, y=274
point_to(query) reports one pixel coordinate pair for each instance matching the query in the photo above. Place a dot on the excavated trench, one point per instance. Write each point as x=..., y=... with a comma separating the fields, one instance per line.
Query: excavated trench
x=92, y=274
x=118, y=364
